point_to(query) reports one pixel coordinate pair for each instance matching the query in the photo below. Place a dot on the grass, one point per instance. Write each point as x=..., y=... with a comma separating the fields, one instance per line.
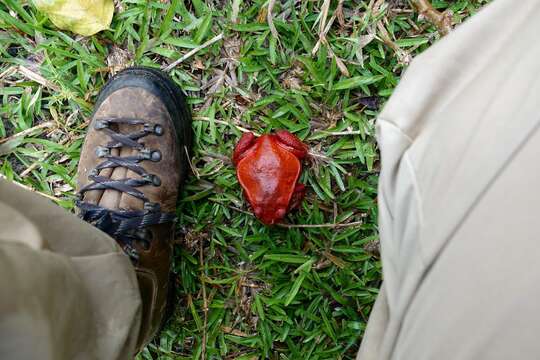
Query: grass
x=245, y=291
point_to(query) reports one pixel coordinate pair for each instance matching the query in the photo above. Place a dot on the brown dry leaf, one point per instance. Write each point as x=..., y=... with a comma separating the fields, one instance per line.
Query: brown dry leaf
x=335, y=260
x=118, y=59
x=363, y=42
x=198, y=64
x=84, y=17
x=341, y=65
x=231, y=48
x=373, y=248
x=442, y=21
x=229, y=330
x=292, y=83
x=261, y=18
x=61, y=189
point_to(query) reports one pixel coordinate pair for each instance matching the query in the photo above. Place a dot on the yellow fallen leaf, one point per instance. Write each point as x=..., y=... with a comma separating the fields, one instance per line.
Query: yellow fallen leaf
x=84, y=17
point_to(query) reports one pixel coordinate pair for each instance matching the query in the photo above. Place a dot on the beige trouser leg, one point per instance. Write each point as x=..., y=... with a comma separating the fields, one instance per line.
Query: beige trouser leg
x=459, y=197
x=66, y=290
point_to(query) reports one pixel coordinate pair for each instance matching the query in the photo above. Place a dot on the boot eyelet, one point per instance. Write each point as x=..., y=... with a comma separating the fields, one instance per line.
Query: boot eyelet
x=102, y=152
x=101, y=124
x=152, y=155
x=153, y=128
x=145, y=237
x=145, y=245
x=155, y=156
x=153, y=179
x=156, y=181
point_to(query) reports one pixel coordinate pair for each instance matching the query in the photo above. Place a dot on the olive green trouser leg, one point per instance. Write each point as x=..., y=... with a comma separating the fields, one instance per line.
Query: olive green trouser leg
x=66, y=289
x=459, y=197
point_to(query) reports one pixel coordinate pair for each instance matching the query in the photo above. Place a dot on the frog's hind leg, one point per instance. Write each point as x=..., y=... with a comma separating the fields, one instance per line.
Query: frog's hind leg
x=297, y=196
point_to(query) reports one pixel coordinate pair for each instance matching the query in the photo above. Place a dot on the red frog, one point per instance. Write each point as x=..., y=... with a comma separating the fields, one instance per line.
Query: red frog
x=268, y=169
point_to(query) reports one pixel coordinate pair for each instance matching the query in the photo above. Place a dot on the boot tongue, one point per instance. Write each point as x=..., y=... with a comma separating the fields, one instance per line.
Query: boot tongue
x=112, y=199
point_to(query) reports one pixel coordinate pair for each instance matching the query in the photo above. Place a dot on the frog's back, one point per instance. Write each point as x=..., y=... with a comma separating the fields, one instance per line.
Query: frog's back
x=269, y=174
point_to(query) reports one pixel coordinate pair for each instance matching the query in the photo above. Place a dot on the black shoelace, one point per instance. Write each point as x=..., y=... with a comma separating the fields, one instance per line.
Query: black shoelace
x=126, y=226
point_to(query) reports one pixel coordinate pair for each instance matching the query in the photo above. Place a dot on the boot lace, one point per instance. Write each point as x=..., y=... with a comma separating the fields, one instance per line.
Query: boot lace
x=126, y=226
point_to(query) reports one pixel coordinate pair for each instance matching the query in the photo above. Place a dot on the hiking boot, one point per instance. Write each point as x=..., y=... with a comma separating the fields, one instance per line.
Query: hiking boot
x=133, y=161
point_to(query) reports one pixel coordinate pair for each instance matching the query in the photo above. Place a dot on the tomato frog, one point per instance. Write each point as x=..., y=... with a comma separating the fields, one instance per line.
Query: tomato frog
x=268, y=169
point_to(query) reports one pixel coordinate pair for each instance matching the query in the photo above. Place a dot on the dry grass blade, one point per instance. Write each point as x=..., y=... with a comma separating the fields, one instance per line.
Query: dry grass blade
x=50, y=197
x=31, y=75
x=340, y=64
x=47, y=124
x=339, y=14
x=322, y=26
x=193, y=52
x=235, y=11
x=8, y=72
x=325, y=9
x=270, y=19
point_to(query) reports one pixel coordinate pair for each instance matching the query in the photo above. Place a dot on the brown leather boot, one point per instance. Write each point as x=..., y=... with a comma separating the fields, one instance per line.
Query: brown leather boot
x=133, y=161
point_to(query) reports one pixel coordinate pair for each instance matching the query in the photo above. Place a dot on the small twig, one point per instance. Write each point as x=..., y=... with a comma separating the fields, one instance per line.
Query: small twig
x=403, y=56
x=193, y=52
x=332, y=226
x=205, y=301
x=270, y=19
x=441, y=20
x=46, y=124
x=28, y=188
